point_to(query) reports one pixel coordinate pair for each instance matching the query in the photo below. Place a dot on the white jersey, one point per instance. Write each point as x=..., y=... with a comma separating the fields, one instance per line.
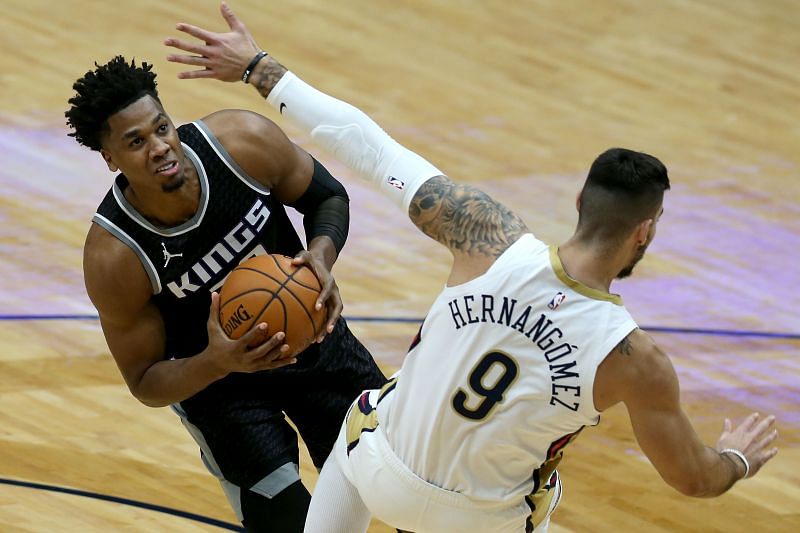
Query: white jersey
x=501, y=376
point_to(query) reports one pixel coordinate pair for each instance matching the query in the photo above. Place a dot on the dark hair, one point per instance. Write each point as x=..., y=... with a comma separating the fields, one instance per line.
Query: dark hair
x=623, y=188
x=104, y=91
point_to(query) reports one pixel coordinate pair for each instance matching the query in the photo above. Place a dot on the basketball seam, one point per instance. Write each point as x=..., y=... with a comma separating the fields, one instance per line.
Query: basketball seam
x=283, y=305
x=308, y=314
x=237, y=295
x=303, y=307
x=258, y=315
x=290, y=277
x=281, y=285
x=292, y=274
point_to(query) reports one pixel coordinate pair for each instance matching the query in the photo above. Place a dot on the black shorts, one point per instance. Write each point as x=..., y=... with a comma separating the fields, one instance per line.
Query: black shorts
x=241, y=417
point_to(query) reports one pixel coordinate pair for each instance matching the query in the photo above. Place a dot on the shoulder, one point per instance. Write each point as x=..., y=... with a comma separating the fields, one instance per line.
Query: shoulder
x=255, y=142
x=635, y=369
x=115, y=279
x=641, y=354
x=234, y=127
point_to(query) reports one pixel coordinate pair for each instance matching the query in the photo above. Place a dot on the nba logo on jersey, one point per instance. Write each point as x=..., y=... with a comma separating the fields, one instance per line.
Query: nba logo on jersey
x=396, y=183
x=557, y=300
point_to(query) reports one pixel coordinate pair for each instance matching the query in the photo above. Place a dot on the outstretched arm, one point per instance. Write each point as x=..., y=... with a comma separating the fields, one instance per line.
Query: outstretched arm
x=639, y=374
x=464, y=219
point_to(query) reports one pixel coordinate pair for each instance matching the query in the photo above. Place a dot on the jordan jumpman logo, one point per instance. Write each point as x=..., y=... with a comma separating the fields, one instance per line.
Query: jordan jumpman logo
x=167, y=255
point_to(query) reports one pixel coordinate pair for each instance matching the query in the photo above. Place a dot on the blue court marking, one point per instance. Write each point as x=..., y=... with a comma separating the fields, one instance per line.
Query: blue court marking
x=48, y=317
x=725, y=332
x=418, y=320
x=124, y=501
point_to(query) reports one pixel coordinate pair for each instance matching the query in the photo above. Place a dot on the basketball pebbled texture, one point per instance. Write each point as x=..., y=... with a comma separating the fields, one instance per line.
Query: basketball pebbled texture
x=268, y=288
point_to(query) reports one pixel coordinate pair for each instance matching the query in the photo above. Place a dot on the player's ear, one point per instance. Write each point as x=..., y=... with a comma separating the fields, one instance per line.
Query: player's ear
x=643, y=231
x=578, y=201
x=107, y=158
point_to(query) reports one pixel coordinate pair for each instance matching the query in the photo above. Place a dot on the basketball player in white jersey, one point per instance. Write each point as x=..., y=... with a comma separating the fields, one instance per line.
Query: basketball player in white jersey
x=522, y=350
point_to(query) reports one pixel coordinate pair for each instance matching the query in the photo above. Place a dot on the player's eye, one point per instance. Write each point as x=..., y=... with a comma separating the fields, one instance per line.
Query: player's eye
x=163, y=128
x=136, y=142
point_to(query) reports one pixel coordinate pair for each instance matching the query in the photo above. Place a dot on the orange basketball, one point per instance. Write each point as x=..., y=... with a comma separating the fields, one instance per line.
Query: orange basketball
x=268, y=288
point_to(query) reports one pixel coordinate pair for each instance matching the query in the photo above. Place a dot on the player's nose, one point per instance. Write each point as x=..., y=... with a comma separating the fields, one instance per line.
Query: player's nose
x=159, y=148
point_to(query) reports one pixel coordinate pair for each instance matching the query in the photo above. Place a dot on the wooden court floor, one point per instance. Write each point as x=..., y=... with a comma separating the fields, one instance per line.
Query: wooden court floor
x=517, y=97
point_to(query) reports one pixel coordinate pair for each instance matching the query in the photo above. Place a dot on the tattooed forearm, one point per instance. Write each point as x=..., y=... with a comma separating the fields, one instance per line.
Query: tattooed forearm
x=464, y=219
x=266, y=75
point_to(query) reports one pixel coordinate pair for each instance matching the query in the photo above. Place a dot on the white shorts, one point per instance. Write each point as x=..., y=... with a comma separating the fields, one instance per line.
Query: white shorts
x=397, y=496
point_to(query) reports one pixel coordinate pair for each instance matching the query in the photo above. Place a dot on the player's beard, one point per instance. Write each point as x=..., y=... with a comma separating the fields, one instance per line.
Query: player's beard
x=174, y=184
x=628, y=270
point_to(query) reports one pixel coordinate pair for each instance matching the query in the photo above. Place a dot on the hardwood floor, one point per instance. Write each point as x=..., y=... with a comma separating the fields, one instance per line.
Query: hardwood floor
x=516, y=97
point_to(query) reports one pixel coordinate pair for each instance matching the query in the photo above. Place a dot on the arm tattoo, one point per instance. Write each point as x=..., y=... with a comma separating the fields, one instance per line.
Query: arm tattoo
x=624, y=347
x=464, y=219
x=265, y=77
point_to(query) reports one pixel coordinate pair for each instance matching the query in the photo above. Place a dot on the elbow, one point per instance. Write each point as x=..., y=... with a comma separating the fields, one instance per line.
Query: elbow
x=145, y=390
x=152, y=403
x=146, y=399
x=693, y=490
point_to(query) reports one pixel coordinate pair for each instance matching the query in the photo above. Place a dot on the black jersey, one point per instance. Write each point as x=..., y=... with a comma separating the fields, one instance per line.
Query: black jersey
x=236, y=218
x=238, y=421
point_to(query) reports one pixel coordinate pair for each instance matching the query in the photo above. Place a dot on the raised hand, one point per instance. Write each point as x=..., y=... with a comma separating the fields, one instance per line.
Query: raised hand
x=221, y=56
x=753, y=438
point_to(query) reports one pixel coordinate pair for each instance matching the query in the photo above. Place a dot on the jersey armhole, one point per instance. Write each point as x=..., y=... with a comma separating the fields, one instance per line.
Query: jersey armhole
x=117, y=232
x=226, y=158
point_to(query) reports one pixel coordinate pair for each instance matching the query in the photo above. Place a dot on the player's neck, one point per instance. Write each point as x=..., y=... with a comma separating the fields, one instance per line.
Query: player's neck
x=168, y=209
x=593, y=266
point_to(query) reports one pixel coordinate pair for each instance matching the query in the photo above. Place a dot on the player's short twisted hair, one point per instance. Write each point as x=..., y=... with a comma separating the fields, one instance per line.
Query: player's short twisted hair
x=623, y=188
x=102, y=92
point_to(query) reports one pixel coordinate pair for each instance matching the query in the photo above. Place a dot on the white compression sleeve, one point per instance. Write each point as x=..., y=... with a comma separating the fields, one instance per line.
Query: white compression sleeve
x=354, y=138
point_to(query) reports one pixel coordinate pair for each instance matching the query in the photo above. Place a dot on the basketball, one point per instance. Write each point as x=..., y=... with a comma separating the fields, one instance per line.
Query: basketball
x=268, y=288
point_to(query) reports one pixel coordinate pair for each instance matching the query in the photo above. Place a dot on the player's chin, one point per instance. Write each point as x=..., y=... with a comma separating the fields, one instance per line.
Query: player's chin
x=173, y=184
x=625, y=273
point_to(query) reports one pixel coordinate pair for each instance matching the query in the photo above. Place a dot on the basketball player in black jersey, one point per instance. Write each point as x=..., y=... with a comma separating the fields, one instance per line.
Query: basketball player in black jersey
x=188, y=205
